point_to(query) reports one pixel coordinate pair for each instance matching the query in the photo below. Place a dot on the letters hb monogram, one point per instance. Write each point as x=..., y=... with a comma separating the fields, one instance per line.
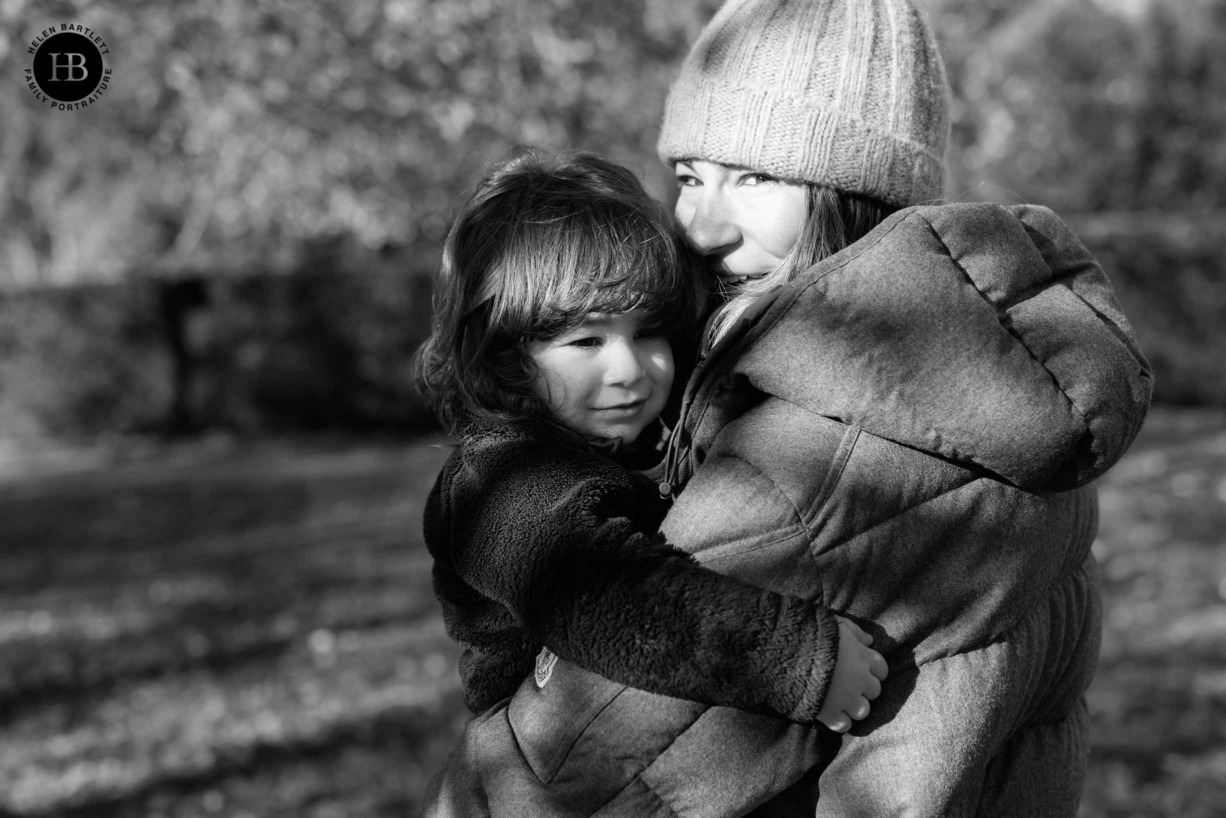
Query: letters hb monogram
x=69, y=70
x=69, y=64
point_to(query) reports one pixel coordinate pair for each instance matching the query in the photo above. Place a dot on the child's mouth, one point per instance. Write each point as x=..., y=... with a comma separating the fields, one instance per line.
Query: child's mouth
x=623, y=408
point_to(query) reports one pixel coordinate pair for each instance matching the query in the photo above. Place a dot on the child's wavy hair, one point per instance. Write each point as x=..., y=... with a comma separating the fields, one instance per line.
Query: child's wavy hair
x=544, y=241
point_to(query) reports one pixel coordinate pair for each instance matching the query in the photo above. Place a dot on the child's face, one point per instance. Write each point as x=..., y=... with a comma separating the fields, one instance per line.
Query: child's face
x=609, y=377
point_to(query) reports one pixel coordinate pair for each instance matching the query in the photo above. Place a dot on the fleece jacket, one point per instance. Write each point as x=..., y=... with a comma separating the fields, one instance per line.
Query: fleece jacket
x=541, y=541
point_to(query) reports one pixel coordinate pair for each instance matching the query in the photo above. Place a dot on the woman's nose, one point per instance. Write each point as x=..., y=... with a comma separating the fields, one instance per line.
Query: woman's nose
x=711, y=227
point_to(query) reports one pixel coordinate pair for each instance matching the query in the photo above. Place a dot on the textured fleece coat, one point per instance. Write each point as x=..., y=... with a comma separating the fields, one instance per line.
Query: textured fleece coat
x=540, y=540
x=905, y=433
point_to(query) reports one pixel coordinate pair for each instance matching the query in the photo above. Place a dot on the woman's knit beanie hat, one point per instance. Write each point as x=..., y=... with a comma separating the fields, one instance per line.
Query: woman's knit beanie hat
x=850, y=94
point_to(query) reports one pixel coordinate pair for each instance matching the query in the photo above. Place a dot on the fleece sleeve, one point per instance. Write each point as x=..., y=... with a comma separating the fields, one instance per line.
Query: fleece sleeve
x=556, y=547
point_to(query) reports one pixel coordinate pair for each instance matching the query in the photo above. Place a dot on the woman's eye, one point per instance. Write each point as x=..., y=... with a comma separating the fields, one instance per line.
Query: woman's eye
x=754, y=179
x=686, y=180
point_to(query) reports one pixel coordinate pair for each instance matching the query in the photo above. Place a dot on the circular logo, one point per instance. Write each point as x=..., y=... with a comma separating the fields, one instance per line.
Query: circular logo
x=68, y=67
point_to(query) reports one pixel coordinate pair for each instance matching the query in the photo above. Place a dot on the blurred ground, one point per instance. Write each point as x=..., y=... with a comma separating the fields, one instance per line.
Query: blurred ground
x=220, y=629
x=247, y=629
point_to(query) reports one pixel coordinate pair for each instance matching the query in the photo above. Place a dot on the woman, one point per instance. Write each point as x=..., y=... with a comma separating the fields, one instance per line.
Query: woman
x=900, y=411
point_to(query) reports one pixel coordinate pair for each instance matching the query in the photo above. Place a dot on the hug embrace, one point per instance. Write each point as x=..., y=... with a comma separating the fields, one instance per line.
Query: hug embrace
x=780, y=504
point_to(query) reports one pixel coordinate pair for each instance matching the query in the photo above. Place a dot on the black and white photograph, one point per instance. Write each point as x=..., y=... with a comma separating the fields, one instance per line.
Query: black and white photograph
x=596, y=409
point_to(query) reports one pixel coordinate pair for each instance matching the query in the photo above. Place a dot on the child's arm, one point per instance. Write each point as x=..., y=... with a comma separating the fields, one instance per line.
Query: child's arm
x=548, y=543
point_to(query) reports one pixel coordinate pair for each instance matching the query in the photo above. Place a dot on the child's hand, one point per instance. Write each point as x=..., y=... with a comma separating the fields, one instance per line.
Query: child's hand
x=858, y=673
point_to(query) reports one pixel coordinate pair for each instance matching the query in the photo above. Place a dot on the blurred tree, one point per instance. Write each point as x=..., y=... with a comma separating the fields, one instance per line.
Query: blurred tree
x=1089, y=104
x=234, y=131
x=244, y=138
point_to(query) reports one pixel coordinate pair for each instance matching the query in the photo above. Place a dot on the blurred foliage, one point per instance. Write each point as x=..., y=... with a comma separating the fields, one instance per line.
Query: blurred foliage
x=1088, y=105
x=319, y=349
x=83, y=360
x=245, y=141
x=235, y=132
x=1169, y=273
x=1158, y=700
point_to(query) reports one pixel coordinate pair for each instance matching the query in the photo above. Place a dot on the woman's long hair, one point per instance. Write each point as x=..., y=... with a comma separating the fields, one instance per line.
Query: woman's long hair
x=835, y=220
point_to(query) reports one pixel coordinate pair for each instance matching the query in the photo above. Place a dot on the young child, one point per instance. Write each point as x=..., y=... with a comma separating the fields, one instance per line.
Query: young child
x=563, y=295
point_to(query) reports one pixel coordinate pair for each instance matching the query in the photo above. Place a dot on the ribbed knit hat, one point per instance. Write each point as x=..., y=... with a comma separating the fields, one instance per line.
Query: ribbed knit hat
x=846, y=93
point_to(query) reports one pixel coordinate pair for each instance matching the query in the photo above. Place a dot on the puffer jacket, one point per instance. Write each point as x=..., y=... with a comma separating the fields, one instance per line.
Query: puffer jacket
x=907, y=434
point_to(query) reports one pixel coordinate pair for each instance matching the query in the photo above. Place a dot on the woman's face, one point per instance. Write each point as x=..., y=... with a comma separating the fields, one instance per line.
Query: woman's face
x=742, y=221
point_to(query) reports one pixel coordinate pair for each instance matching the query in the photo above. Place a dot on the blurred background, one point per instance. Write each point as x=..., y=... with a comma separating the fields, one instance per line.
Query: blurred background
x=213, y=595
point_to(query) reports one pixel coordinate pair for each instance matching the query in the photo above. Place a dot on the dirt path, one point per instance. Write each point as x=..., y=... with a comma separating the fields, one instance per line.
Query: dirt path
x=237, y=629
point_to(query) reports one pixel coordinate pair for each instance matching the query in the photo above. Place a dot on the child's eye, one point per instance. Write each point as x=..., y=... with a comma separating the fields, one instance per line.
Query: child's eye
x=584, y=341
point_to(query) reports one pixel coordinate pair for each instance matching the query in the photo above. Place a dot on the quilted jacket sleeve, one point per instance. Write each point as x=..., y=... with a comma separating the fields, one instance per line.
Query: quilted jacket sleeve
x=977, y=333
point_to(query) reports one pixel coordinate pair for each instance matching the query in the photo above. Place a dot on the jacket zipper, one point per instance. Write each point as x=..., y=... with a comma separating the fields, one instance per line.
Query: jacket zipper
x=672, y=451
x=719, y=352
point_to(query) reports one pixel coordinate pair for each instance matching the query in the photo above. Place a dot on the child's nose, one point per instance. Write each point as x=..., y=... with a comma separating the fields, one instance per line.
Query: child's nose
x=625, y=366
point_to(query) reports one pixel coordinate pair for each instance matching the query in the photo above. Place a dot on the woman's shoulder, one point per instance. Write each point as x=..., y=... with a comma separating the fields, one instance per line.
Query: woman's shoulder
x=973, y=331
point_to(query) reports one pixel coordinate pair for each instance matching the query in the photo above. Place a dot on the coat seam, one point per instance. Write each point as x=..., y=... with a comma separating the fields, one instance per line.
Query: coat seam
x=833, y=478
x=957, y=262
x=776, y=488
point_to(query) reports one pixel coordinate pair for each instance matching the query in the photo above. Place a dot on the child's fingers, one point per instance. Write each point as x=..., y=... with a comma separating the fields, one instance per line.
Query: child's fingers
x=839, y=724
x=857, y=631
x=872, y=688
x=878, y=667
x=860, y=710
